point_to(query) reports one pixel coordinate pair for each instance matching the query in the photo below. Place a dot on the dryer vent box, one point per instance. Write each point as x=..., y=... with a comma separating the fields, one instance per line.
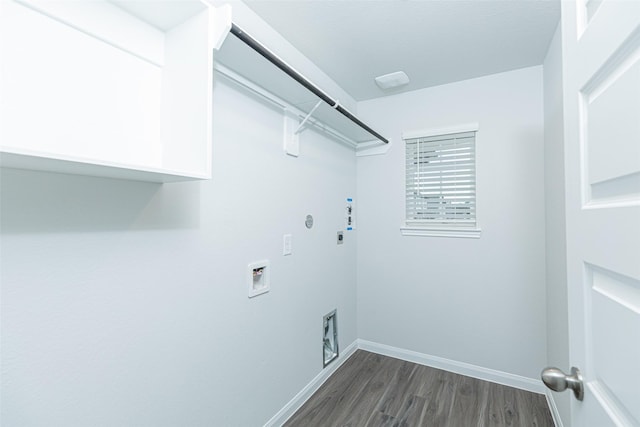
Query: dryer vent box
x=329, y=338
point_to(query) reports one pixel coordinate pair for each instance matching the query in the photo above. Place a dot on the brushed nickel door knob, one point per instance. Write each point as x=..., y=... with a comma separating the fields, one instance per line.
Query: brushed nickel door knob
x=557, y=380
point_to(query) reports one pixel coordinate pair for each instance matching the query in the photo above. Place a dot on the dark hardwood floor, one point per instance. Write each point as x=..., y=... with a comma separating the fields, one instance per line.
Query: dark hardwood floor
x=374, y=390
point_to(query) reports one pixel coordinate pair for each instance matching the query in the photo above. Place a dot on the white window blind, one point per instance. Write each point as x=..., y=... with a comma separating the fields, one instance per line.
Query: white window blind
x=441, y=179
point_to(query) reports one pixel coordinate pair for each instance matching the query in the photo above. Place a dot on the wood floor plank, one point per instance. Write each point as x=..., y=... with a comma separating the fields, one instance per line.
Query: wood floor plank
x=378, y=391
x=501, y=409
x=423, y=382
x=412, y=414
x=533, y=409
x=381, y=420
x=358, y=410
x=483, y=399
x=467, y=399
x=328, y=396
x=336, y=401
x=439, y=395
x=397, y=391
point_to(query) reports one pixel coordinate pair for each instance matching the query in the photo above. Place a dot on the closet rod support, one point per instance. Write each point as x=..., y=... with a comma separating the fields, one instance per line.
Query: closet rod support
x=313, y=110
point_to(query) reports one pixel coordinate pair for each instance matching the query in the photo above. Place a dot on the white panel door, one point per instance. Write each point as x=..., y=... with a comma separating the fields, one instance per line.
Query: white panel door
x=601, y=47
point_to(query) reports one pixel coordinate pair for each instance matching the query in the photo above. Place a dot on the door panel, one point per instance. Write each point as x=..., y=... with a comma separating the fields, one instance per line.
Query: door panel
x=610, y=128
x=601, y=52
x=614, y=300
x=612, y=131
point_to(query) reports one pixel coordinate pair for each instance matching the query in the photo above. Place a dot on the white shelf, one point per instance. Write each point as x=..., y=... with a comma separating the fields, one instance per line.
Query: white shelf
x=118, y=89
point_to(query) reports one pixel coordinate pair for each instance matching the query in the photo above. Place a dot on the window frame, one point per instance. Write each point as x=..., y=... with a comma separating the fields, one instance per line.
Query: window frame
x=412, y=227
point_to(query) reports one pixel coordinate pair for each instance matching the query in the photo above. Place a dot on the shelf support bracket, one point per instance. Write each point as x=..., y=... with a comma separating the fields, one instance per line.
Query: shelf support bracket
x=302, y=123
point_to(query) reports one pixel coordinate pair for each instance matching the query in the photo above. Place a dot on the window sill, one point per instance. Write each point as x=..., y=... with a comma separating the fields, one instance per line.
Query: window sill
x=464, y=232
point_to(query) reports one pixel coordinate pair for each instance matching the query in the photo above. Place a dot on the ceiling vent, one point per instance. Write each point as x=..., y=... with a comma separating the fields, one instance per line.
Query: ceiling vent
x=392, y=80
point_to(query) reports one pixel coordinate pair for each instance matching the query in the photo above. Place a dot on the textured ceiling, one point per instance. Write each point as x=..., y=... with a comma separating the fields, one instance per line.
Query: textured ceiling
x=433, y=41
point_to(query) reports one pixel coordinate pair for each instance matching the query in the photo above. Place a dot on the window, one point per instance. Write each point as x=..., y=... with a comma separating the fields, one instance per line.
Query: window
x=441, y=182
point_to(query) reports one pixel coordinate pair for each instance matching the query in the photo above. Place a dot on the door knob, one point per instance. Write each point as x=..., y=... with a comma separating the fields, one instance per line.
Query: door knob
x=557, y=380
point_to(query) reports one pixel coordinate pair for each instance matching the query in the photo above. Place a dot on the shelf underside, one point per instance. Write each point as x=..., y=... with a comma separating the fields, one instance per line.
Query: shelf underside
x=91, y=168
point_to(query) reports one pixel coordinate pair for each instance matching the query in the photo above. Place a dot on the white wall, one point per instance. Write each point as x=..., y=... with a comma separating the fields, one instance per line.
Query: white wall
x=125, y=303
x=554, y=188
x=475, y=301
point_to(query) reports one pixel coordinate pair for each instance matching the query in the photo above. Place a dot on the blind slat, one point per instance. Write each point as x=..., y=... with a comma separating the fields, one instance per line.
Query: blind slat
x=447, y=166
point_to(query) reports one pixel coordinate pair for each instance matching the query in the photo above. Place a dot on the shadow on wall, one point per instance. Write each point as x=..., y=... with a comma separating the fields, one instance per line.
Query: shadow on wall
x=42, y=202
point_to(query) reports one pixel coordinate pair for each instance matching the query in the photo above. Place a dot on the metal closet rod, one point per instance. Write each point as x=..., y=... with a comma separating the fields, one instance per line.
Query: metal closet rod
x=271, y=57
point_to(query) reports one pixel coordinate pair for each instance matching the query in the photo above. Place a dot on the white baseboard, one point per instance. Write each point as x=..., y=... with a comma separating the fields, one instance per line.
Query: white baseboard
x=553, y=408
x=299, y=399
x=462, y=368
